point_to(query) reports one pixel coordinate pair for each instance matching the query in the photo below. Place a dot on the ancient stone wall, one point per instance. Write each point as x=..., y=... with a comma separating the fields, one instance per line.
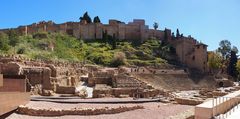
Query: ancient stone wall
x=14, y=84
x=198, y=58
x=47, y=74
x=65, y=89
x=131, y=92
x=136, y=30
x=121, y=81
x=38, y=75
x=100, y=78
x=10, y=68
x=191, y=53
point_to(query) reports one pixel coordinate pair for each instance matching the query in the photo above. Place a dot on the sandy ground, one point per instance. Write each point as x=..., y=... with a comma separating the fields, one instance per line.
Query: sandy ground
x=153, y=110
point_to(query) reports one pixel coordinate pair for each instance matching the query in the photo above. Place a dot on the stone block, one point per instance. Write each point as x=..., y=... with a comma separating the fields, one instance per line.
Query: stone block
x=65, y=90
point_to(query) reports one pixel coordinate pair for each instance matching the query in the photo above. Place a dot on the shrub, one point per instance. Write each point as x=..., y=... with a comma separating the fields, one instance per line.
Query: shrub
x=4, y=42
x=21, y=51
x=13, y=38
x=40, y=35
x=119, y=59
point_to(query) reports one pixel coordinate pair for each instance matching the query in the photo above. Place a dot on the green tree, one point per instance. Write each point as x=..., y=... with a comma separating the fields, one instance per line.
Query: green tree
x=21, y=51
x=214, y=61
x=114, y=42
x=86, y=17
x=173, y=35
x=235, y=49
x=232, y=71
x=155, y=25
x=224, y=48
x=96, y=20
x=238, y=68
x=13, y=38
x=4, y=42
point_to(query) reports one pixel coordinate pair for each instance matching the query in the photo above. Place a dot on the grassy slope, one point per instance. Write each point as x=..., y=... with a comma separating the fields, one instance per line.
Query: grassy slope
x=68, y=48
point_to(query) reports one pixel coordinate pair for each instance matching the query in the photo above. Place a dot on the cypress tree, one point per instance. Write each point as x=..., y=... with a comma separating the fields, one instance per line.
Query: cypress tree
x=86, y=17
x=232, y=70
x=96, y=20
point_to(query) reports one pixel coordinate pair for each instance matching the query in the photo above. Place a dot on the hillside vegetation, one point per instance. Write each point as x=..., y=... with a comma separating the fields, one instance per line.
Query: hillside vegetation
x=107, y=51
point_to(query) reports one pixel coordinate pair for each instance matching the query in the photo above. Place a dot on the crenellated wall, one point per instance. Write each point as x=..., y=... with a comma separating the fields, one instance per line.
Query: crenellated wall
x=136, y=30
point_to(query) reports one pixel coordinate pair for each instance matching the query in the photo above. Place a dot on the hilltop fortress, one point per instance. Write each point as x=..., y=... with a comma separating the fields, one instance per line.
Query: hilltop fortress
x=189, y=51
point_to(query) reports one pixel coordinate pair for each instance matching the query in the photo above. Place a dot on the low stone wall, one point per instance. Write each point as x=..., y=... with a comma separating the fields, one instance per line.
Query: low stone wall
x=75, y=111
x=131, y=92
x=98, y=93
x=65, y=90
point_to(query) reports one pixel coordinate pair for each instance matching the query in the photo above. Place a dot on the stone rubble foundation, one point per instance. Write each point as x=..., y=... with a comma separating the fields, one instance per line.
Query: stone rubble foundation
x=74, y=111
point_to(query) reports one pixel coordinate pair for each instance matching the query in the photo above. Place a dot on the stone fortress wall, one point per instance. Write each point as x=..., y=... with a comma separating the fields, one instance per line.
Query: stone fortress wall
x=136, y=30
x=189, y=51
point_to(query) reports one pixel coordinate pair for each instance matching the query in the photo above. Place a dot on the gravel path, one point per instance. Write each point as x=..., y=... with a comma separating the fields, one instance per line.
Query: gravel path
x=153, y=110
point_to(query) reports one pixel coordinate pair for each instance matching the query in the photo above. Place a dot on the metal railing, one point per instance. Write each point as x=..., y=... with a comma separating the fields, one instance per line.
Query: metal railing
x=223, y=107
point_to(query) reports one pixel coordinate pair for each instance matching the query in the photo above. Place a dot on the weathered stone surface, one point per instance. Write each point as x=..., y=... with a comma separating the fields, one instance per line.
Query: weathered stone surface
x=66, y=89
x=10, y=68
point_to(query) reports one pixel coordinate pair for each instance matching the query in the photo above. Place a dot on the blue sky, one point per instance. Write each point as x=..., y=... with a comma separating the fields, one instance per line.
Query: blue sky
x=209, y=21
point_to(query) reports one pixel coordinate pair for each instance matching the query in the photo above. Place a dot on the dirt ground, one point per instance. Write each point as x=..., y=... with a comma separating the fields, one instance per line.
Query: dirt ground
x=153, y=110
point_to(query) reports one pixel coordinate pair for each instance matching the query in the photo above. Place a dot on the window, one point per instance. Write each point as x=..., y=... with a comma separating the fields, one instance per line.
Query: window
x=193, y=58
